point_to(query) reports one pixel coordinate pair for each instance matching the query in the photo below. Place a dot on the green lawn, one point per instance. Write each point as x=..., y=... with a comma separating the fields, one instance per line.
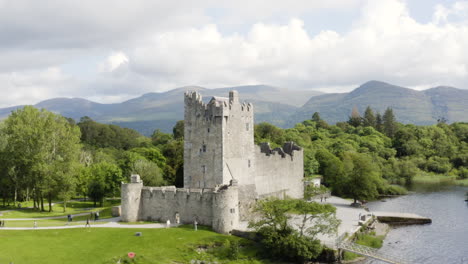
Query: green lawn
x=107, y=245
x=72, y=208
x=45, y=223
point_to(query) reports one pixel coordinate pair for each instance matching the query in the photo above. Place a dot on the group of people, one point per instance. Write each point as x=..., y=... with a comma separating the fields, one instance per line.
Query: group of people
x=2, y=223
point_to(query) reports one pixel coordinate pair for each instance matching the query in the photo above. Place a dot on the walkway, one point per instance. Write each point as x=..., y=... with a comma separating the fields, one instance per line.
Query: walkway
x=109, y=223
x=348, y=215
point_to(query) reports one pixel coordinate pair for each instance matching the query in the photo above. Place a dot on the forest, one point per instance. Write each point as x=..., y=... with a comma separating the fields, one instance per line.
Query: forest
x=46, y=157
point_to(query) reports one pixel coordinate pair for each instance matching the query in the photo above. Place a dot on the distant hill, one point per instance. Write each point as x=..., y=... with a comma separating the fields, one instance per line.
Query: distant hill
x=279, y=106
x=162, y=110
x=410, y=106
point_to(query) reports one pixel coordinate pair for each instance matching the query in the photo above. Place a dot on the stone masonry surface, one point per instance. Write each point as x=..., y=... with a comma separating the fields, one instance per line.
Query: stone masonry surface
x=224, y=171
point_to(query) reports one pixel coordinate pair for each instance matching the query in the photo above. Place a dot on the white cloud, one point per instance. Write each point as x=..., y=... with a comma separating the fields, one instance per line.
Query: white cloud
x=150, y=46
x=114, y=61
x=385, y=44
x=29, y=87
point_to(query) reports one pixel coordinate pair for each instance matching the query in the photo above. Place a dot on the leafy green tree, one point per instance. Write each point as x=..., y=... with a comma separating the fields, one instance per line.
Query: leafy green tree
x=317, y=218
x=149, y=172
x=178, y=130
x=379, y=122
x=283, y=240
x=331, y=168
x=41, y=146
x=316, y=117
x=104, y=135
x=265, y=132
x=369, y=118
x=159, y=138
x=389, y=123
x=106, y=179
x=355, y=119
x=362, y=176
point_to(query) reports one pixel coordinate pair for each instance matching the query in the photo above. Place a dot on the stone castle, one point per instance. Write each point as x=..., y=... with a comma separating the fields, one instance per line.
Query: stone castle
x=224, y=171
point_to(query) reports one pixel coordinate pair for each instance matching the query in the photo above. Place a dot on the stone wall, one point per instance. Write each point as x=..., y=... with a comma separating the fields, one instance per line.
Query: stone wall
x=212, y=207
x=279, y=173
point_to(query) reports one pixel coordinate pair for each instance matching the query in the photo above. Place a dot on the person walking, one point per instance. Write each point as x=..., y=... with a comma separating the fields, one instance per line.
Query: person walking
x=87, y=223
x=35, y=224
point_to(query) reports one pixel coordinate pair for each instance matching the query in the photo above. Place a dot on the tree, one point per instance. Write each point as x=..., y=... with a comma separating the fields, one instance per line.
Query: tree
x=379, y=122
x=283, y=240
x=317, y=218
x=104, y=135
x=106, y=179
x=369, y=118
x=149, y=173
x=355, y=119
x=319, y=122
x=316, y=117
x=41, y=146
x=362, y=176
x=178, y=130
x=389, y=123
x=331, y=168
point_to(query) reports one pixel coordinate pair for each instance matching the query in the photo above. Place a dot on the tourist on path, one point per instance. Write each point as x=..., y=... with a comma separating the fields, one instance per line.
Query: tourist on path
x=87, y=223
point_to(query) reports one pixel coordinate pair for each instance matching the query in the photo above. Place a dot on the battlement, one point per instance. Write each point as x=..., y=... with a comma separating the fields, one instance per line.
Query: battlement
x=288, y=149
x=194, y=100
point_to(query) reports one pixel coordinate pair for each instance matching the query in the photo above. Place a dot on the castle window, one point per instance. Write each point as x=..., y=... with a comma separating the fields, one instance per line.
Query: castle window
x=247, y=126
x=233, y=210
x=204, y=148
x=208, y=130
x=249, y=163
x=203, y=168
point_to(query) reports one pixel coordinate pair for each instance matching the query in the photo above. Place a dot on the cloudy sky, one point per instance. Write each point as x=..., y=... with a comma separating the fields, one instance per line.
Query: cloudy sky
x=113, y=50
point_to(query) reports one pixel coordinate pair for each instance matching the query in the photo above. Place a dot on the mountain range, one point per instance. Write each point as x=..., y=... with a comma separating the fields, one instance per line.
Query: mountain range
x=280, y=106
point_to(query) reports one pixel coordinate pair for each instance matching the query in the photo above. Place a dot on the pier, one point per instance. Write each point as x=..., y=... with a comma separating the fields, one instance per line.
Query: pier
x=401, y=218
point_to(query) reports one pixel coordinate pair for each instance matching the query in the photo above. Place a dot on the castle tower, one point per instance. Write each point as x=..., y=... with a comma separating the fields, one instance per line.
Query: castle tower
x=131, y=196
x=219, y=141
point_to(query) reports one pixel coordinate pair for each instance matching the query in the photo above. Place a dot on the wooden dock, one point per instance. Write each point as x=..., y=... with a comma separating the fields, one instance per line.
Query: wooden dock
x=401, y=218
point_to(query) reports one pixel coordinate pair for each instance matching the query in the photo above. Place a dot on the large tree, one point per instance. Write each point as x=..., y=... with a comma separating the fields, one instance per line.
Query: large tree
x=369, y=117
x=41, y=147
x=285, y=240
x=389, y=123
x=362, y=176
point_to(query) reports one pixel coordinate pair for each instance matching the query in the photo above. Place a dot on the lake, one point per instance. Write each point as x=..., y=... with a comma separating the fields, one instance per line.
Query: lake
x=445, y=241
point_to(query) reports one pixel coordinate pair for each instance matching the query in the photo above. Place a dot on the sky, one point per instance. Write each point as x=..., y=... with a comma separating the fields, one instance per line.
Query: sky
x=113, y=50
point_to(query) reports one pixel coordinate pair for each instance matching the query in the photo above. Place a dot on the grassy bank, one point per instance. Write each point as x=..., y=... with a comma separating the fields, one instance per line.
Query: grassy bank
x=105, y=245
x=439, y=179
x=369, y=240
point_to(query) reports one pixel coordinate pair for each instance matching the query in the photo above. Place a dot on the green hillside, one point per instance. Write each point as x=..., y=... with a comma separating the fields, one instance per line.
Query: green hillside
x=410, y=106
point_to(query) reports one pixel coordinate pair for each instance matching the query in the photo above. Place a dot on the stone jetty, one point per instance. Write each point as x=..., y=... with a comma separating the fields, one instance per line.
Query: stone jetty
x=401, y=218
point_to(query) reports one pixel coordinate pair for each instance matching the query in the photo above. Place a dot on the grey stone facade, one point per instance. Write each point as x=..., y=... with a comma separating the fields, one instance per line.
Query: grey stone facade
x=224, y=171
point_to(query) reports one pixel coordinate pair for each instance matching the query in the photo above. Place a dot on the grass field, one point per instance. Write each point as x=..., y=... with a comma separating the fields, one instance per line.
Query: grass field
x=72, y=208
x=106, y=245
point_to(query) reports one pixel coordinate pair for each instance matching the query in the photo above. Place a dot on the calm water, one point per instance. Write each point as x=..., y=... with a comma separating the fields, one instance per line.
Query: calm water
x=445, y=241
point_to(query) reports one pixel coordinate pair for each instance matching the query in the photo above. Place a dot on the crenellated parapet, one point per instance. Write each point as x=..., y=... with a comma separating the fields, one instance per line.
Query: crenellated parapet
x=288, y=149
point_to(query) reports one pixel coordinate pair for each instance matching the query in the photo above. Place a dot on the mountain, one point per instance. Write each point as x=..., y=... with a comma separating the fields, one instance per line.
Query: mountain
x=279, y=106
x=409, y=106
x=162, y=110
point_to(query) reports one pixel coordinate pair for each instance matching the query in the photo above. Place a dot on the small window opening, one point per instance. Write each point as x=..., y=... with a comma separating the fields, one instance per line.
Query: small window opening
x=208, y=130
x=247, y=126
x=203, y=168
x=249, y=163
x=204, y=148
